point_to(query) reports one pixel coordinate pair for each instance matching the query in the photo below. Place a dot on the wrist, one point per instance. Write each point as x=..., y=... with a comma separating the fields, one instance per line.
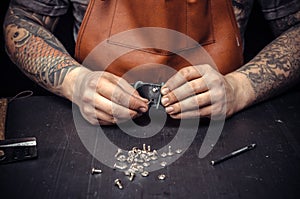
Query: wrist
x=73, y=79
x=243, y=91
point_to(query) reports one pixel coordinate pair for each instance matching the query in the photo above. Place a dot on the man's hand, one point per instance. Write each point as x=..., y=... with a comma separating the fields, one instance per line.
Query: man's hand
x=104, y=98
x=200, y=91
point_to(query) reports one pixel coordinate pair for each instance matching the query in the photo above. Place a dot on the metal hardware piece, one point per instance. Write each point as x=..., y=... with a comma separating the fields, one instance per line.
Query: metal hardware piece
x=18, y=149
x=170, y=152
x=150, y=91
x=146, y=164
x=178, y=151
x=131, y=176
x=119, y=151
x=163, y=155
x=145, y=173
x=96, y=171
x=161, y=176
x=121, y=158
x=121, y=167
x=118, y=183
x=155, y=89
x=163, y=164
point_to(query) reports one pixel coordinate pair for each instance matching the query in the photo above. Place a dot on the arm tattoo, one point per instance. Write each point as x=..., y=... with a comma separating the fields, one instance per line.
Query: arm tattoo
x=276, y=66
x=36, y=50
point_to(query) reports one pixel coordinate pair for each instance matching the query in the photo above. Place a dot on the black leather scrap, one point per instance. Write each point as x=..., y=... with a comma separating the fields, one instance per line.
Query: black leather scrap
x=151, y=92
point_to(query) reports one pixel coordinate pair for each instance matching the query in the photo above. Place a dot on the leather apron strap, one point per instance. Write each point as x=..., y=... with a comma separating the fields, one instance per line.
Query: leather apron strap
x=150, y=40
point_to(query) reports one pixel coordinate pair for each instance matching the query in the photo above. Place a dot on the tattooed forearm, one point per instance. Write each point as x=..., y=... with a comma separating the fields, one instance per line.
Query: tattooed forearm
x=276, y=66
x=36, y=50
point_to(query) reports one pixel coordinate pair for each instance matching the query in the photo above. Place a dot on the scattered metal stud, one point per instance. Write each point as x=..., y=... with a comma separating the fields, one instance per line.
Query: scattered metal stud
x=121, y=158
x=161, y=176
x=131, y=176
x=163, y=155
x=96, y=171
x=149, y=148
x=119, y=151
x=121, y=167
x=170, y=153
x=154, y=157
x=178, y=151
x=118, y=183
x=146, y=164
x=163, y=164
x=145, y=173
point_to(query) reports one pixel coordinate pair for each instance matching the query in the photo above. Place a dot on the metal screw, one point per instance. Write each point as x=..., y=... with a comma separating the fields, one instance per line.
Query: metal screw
x=170, y=153
x=118, y=152
x=131, y=176
x=96, y=171
x=144, y=148
x=118, y=183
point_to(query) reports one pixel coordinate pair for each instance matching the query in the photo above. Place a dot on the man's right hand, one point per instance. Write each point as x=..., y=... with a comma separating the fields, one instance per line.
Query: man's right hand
x=104, y=98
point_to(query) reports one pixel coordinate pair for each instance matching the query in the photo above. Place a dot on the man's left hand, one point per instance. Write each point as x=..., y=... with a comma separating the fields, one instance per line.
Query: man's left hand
x=198, y=91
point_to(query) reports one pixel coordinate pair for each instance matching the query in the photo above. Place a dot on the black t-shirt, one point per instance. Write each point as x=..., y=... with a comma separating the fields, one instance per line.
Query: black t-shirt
x=272, y=9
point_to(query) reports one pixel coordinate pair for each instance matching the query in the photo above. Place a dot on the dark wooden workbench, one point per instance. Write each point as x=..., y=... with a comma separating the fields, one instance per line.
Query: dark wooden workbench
x=62, y=170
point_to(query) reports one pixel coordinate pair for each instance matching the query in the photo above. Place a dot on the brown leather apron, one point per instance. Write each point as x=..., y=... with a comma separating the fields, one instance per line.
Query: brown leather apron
x=109, y=38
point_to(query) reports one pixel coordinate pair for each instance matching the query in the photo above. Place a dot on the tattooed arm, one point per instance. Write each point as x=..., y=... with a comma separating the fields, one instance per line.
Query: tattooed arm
x=37, y=52
x=275, y=68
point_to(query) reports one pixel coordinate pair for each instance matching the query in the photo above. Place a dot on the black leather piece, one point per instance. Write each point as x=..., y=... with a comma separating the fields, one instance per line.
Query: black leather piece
x=151, y=92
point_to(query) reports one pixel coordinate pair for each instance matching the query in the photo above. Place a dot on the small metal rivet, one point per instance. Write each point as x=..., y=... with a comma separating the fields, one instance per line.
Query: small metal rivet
x=121, y=158
x=146, y=164
x=145, y=173
x=161, y=176
x=121, y=167
x=178, y=151
x=131, y=176
x=118, y=183
x=163, y=164
x=170, y=153
x=155, y=89
x=163, y=155
x=96, y=171
x=118, y=152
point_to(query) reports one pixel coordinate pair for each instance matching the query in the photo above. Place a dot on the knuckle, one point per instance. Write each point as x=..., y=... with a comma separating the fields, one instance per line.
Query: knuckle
x=85, y=110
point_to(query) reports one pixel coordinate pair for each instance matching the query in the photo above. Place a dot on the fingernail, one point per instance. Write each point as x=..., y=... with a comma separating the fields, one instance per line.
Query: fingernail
x=164, y=91
x=164, y=100
x=144, y=99
x=169, y=109
x=143, y=109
